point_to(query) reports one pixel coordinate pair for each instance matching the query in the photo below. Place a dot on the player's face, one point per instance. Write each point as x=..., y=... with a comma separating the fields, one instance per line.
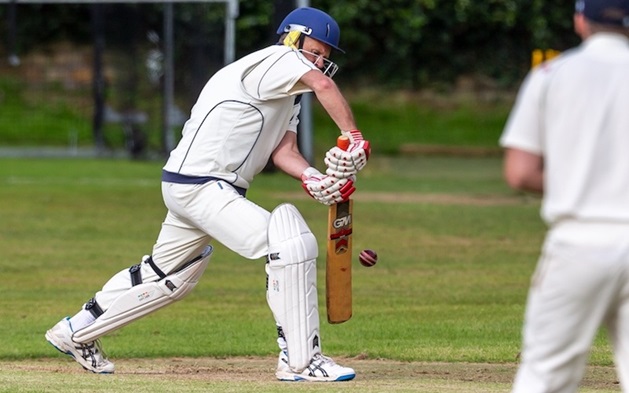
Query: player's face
x=317, y=52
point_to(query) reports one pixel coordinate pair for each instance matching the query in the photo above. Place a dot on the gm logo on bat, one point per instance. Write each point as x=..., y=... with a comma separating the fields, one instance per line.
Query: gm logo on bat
x=342, y=222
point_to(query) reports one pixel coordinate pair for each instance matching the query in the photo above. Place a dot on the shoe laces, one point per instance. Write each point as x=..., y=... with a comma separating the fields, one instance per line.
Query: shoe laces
x=322, y=359
x=93, y=351
x=318, y=365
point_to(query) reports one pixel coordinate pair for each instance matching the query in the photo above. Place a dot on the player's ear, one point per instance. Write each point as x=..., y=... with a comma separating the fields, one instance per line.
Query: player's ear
x=581, y=26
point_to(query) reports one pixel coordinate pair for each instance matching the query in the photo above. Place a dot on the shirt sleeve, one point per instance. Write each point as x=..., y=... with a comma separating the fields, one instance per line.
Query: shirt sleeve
x=525, y=124
x=278, y=76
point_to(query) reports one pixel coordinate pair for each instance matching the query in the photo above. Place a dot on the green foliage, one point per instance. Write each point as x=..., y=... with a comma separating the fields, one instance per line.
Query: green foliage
x=395, y=43
x=38, y=24
x=426, y=43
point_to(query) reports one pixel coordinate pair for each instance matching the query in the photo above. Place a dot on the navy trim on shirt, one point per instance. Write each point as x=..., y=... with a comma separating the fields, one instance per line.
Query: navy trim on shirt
x=178, y=178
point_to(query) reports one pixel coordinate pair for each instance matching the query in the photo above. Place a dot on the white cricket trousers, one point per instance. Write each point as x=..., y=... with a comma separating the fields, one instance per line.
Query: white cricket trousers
x=198, y=213
x=580, y=284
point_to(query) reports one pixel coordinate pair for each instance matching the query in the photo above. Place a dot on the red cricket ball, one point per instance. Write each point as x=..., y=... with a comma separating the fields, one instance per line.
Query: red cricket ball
x=368, y=258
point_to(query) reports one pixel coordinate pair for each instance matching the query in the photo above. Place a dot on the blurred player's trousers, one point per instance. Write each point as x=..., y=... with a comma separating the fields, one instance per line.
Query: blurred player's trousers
x=581, y=283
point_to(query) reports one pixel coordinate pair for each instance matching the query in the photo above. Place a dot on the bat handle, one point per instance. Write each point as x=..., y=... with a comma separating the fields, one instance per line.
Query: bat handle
x=342, y=142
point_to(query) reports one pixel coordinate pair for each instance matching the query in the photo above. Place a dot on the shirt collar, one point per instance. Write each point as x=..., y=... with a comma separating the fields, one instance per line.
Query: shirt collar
x=607, y=41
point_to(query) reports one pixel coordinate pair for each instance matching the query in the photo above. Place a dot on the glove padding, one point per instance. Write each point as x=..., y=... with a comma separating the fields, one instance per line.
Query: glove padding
x=346, y=163
x=327, y=189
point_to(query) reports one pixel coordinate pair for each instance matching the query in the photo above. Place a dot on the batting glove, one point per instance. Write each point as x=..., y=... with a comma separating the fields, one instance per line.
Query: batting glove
x=327, y=189
x=343, y=164
x=346, y=163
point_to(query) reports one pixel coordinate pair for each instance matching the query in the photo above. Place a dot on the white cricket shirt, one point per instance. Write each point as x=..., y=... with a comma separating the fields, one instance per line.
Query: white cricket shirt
x=241, y=115
x=574, y=111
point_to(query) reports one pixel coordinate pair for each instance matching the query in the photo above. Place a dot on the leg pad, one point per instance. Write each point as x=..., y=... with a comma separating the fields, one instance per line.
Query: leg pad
x=145, y=298
x=292, y=285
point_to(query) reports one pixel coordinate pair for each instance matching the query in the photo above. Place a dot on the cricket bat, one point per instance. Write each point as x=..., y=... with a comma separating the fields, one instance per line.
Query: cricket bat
x=338, y=267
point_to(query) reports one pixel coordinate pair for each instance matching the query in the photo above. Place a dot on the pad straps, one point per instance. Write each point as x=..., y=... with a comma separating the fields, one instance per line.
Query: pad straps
x=93, y=308
x=135, y=272
x=157, y=270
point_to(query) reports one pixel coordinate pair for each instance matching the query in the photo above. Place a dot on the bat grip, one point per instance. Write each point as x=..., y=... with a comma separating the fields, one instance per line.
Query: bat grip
x=342, y=142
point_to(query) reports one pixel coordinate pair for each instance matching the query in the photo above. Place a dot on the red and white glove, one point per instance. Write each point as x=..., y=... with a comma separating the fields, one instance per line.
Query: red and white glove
x=346, y=163
x=326, y=189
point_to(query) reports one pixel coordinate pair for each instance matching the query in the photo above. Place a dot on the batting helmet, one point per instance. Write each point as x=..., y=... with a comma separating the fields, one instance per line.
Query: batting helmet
x=313, y=23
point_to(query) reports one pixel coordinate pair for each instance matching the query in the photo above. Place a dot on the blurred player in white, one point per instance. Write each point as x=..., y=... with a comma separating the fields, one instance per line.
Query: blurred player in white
x=246, y=114
x=567, y=138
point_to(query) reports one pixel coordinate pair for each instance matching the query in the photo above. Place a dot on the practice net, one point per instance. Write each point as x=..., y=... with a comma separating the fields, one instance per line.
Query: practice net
x=99, y=77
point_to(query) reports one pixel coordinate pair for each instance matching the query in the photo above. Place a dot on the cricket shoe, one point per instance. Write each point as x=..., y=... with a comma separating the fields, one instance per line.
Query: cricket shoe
x=320, y=369
x=90, y=356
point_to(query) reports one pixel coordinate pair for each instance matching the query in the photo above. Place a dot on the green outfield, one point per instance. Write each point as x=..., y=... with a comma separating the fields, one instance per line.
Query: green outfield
x=456, y=249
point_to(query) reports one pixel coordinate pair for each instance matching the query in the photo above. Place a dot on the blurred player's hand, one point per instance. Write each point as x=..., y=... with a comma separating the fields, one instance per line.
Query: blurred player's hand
x=327, y=189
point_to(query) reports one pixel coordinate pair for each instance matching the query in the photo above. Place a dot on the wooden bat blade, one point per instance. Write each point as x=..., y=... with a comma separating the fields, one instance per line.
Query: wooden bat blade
x=339, y=263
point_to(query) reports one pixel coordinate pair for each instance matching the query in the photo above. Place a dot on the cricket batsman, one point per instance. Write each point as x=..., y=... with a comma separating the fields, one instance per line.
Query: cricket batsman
x=246, y=114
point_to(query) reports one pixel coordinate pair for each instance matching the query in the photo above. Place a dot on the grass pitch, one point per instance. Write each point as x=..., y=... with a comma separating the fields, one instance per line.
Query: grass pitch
x=456, y=249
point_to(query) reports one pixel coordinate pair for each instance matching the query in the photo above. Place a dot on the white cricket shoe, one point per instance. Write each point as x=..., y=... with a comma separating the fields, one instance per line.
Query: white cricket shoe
x=89, y=356
x=320, y=369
